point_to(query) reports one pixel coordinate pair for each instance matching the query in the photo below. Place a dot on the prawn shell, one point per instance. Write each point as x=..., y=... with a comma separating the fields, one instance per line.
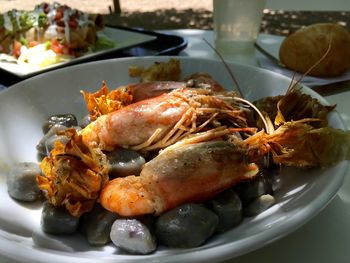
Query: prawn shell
x=196, y=172
x=128, y=196
x=123, y=127
x=179, y=174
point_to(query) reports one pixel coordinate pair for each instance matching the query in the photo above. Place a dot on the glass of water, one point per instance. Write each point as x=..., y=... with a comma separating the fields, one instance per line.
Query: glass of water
x=237, y=23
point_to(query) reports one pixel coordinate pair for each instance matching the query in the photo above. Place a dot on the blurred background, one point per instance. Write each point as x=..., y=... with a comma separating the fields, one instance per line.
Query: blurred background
x=281, y=17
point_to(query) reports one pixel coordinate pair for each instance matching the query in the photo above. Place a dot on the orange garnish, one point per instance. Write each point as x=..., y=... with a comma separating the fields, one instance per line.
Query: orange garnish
x=104, y=101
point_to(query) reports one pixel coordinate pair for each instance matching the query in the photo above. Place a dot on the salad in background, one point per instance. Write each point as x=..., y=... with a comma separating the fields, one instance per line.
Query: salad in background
x=49, y=34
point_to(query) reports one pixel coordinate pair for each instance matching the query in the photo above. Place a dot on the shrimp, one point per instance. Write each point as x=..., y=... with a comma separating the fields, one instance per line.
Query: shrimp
x=135, y=123
x=104, y=101
x=147, y=125
x=179, y=174
x=208, y=141
x=163, y=120
x=193, y=172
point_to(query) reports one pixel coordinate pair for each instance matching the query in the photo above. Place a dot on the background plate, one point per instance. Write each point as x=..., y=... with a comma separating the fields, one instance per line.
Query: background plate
x=122, y=39
x=271, y=44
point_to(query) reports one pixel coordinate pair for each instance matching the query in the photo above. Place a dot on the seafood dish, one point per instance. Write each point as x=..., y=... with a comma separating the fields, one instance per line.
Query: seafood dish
x=168, y=160
x=49, y=34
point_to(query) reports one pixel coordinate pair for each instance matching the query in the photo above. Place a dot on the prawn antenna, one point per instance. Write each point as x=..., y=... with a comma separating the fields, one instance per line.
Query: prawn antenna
x=226, y=66
x=291, y=86
x=267, y=127
x=314, y=65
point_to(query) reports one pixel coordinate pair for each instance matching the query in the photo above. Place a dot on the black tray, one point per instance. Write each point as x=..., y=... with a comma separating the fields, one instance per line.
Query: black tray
x=163, y=45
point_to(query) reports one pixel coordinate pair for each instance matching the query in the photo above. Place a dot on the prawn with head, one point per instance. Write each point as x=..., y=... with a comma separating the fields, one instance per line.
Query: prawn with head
x=147, y=126
x=208, y=142
x=198, y=167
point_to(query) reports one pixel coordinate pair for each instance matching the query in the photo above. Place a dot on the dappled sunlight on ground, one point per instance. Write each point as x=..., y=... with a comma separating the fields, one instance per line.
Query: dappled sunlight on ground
x=165, y=14
x=164, y=19
x=94, y=6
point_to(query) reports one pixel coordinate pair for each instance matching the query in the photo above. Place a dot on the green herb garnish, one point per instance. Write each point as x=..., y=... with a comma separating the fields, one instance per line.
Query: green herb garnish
x=26, y=20
x=48, y=45
x=2, y=20
x=103, y=43
x=24, y=41
x=12, y=15
x=42, y=20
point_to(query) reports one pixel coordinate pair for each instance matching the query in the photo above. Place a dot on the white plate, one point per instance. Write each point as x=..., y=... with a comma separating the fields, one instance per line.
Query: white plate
x=270, y=43
x=121, y=38
x=24, y=106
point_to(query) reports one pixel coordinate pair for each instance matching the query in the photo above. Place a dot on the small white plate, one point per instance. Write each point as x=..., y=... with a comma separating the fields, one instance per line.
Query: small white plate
x=24, y=106
x=121, y=38
x=270, y=43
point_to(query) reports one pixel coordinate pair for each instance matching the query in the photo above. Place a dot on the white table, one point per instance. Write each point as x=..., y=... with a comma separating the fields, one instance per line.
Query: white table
x=325, y=238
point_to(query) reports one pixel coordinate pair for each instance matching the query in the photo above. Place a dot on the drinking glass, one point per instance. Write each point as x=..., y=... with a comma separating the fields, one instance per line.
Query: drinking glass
x=237, y=23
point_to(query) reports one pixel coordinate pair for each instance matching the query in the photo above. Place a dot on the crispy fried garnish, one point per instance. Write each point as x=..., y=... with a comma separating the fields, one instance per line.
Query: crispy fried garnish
x=298, y=144
x=159, y=71
x=294, y=106
x=73, y=175
x=104, y=101
x=301, y=145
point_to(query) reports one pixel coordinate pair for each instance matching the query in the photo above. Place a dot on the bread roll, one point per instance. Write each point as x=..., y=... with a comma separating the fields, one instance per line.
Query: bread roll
x=302, y=49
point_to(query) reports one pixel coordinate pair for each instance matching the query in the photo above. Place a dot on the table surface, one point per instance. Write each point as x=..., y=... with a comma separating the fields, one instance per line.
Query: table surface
x=326, y=237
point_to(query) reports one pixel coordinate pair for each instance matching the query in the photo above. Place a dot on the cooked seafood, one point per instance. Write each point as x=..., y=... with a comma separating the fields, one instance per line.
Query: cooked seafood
x=197, y=171
x=146, y=125
x=208, y=141
x=74, y=175
x=53, y=31
x=300, y=144
x=161, y=121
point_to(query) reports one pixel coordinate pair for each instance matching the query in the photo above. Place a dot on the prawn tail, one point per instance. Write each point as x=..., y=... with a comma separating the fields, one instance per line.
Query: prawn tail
x=127, y=196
